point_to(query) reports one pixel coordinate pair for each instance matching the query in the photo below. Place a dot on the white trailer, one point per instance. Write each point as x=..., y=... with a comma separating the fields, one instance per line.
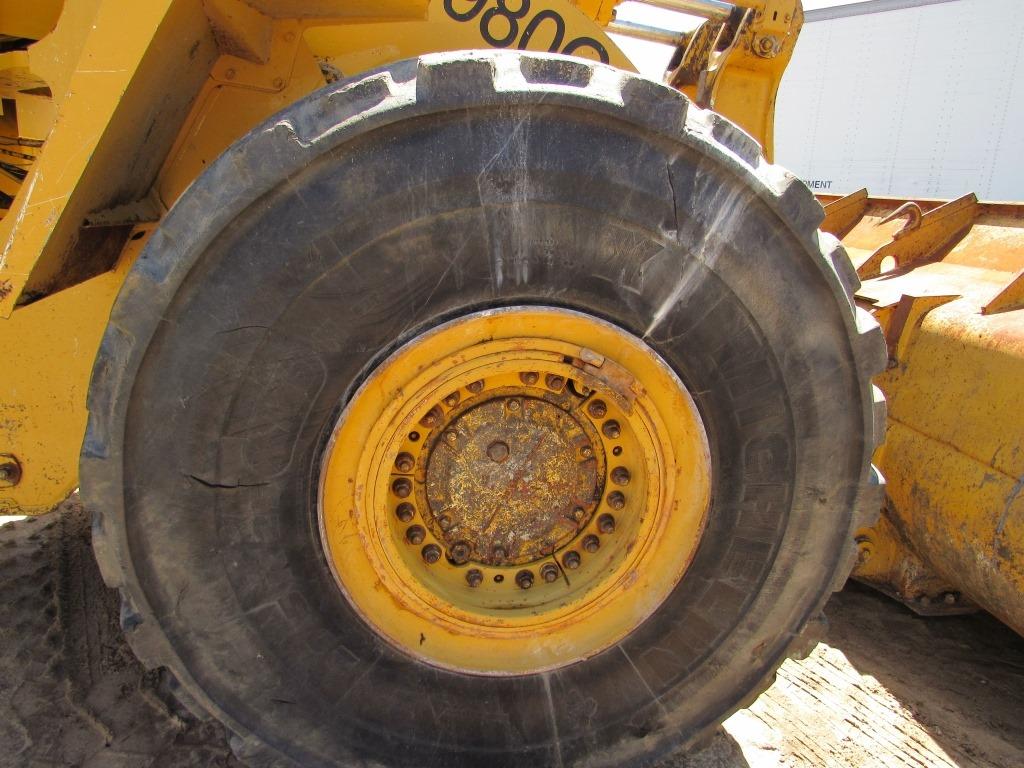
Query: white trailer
x=909, y=98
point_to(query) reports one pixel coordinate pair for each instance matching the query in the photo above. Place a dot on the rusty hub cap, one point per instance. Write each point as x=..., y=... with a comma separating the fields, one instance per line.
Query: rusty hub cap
x=514, y=491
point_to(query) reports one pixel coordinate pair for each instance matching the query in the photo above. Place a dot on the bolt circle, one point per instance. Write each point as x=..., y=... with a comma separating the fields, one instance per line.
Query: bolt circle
x=598, y=409
x=591, y=543
x=571, y=560
x=405, y=512
x=474, y=577
x=606, y=524
x=431, y=553
x=524, y=579
x=549, y=572
x=616, y=500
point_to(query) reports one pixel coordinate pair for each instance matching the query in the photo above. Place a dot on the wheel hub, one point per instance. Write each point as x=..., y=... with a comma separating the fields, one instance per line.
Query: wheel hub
x=514, y=491
x=513, y=476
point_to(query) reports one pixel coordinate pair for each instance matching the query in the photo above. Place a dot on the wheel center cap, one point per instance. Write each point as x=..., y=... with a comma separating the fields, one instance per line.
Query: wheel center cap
x=511, y=480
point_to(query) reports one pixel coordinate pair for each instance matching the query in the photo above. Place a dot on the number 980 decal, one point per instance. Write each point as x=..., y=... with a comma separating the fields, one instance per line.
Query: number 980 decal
x=501, y=26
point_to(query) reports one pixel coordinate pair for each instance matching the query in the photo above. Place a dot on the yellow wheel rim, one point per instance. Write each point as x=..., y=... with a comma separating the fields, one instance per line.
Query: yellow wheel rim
x=514, y=491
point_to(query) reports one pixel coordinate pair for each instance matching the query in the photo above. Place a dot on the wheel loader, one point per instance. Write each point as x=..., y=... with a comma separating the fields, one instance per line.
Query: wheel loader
x=446, y=393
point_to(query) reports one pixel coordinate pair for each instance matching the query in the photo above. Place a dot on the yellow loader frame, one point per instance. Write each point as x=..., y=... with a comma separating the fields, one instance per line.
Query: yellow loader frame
x=111, y=108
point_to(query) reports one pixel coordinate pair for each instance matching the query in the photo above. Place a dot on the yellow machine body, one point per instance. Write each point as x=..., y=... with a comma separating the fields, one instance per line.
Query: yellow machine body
x=110, y=109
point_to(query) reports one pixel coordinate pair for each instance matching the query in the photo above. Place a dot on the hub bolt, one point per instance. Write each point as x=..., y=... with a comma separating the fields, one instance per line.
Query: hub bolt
x=524, y=579
x=445, y=522
x=474, y=577
x=529, y=378
x=415, y=534
x=578, y=513
x=598, y=409
x=431, y=553
x=554, y=382
x=571, y=560
x=620, y=476
x=611, y=429
x=606, y=524
x=586, y=452
x=405, y=462
x=513, y=404
x=402, y=487
x=591, y=543
x=499, y=555
x=497, y=451
x=405, y=511
x=549, y=572
x=451, y=438
x=460, y=552
x=616, y=500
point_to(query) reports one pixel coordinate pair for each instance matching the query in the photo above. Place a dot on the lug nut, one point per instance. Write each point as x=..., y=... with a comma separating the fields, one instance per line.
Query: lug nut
x=598, y=409
x=529, y=378
x=405, y=511
x=606, y=524
x=402, y=487
x=611, y=429
x=513, y=404
x=460, y=552
x=452, y=400
x=405, y=462
x=571, y=560
x=431, y=553
x=591, y=543
x=549, y=572
x=475, y=386
x=433, y=417
x=415, y=534
x=524, y=579
x=474, y=577
x=620, y=476
x=616, y=500
x=554, y=382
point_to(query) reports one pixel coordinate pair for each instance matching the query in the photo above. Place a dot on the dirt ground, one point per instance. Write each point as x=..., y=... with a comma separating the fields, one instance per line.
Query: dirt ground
x=886, y=689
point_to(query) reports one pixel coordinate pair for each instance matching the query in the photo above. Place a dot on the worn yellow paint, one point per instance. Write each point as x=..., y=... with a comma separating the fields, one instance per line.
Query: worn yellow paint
x=50, y=347
x=428, y=609
x=954, y=451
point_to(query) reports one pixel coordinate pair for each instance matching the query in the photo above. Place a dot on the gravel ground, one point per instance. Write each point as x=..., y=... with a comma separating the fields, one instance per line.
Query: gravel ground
x=887, y=689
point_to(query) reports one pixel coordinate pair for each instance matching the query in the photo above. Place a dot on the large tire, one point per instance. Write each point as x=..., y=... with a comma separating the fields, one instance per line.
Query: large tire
x=378, y=208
